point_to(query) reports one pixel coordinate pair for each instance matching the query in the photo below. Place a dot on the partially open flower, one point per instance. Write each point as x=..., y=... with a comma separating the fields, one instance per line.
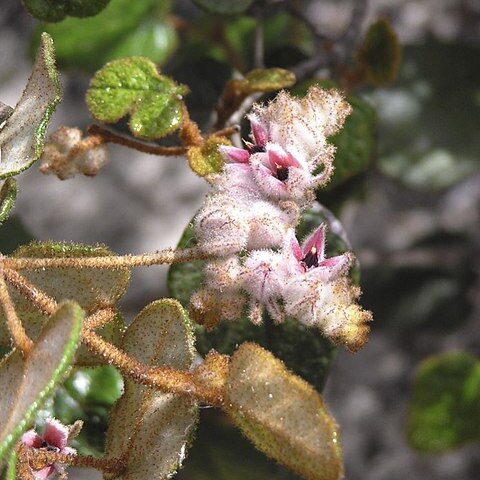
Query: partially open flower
x=54, y=439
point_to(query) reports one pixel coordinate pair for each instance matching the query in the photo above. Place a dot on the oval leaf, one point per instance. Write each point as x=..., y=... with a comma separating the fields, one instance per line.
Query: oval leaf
x=22, y=137
x=31, y=381
x=49, y=11
x=282, y=415
x=134, y=86
x=445, y=406
x=265, y=80
x=151, y=429
x=207, y=159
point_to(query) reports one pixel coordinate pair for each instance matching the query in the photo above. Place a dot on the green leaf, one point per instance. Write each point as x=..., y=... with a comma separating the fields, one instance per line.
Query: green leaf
x=32, y=380
x=380, y=53
x=224, y=7
x=134, y=86
x=89, y=43
x=22, y=137
x=282, y=415
x=266, y=80
x=445, y=405
x=92, y=288
x=355, y=142
x=8, y=195
x=56, y=10
x=207, y=159
x=148, y=428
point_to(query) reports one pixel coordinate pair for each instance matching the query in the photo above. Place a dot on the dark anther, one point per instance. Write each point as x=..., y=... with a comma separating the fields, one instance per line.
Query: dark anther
x=282, y=173
x=310, y=260
x=44, y=444
x=254, y=148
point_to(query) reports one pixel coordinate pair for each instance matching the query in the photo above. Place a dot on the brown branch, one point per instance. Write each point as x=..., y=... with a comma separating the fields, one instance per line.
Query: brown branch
x=165, y=379
x=108, y=136
x=15, y=327
x=46, y=304
x=100, y=318
x=108, y=262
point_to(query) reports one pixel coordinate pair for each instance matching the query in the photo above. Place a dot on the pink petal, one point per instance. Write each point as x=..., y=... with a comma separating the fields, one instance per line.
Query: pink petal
x=259, y=133
x=32, y=439
x=293, y=246
x=270, y=184
x=316, y=241
x=234, y=154
x=44, y=473
x=336, y=265
x=56, y=434
x=279, y=157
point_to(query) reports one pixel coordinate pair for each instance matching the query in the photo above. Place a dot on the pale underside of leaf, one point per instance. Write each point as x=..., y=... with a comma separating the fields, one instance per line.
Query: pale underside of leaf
x=30, y=381
x=151, y=429
x=282, y=414
x=22, y=137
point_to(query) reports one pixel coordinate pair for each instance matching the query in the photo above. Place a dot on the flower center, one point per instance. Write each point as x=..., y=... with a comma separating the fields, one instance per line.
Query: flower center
x=310, y=260
x=282, y=172
x=254, y=148
x=49, y=448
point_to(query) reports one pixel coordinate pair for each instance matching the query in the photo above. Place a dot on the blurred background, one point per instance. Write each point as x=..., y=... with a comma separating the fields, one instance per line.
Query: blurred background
x=410, y=205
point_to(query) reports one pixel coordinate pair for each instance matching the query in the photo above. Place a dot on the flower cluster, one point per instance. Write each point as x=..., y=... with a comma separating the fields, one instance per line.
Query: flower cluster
x=54, y=439
x=249, y=221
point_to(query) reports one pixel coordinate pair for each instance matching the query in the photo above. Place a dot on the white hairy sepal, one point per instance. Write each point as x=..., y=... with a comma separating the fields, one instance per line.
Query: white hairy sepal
x=301, y=126
x=223, y=274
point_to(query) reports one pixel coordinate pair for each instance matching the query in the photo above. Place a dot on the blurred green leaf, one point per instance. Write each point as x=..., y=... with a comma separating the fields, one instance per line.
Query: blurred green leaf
x=56, y=10
x=445, y=405
x=134, y=86
x=265, y=80
x=380, y=53
x=224, y=7
x=32, y=380
x=427, y=136
x=151, y=429
x=282, y=415
x=123, y=28
x=22, y=135
x=8, y=195
x=88, y=395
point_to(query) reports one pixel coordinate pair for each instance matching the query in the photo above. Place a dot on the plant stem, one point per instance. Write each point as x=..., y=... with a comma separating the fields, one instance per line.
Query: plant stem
x=109, y=262
x=165, y=379
x=46, y=304
x=109, y=136
x=15, y=327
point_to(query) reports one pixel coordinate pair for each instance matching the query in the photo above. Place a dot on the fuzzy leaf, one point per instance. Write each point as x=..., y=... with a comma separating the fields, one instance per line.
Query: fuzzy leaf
x=134, y=86
x=91, y=288
x=445, y=406
x=8, y=194
x=207, y=159
x=32, y=380
x=54, y=11
x=22, y=137
x=151, y=429
x=282, y=415
x=224, y=7
x=380, y=53
x=265, y=80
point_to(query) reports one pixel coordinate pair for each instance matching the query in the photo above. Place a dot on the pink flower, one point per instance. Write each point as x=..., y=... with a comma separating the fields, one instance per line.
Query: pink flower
x=54, y=439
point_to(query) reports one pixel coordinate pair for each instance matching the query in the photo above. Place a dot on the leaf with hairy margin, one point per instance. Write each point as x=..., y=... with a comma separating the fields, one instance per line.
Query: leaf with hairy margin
x=282, y=415
x=22, y=137
x=32, y=380
x=8, y=195
x=150, y=430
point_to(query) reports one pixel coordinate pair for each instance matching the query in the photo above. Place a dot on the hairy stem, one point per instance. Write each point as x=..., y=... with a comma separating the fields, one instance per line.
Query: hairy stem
x=15, y=327
x=165, y=379
x=39, y=458
x=47, y=305
x=143, y=260
x=100, y=318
